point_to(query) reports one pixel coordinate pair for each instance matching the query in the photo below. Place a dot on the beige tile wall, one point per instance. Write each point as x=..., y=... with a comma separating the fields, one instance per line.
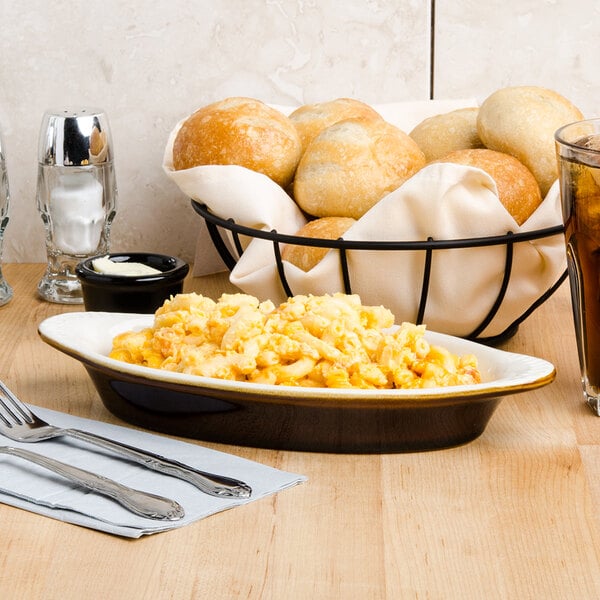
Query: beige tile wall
x=481, y=46
x=150, y=62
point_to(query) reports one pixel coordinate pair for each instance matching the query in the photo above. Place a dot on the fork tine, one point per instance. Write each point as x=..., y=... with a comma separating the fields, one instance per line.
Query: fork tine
x=16, y=410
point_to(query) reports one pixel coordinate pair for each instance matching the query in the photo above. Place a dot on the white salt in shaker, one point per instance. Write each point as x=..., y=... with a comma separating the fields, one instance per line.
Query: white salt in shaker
x=5, y=289
x=76, y=195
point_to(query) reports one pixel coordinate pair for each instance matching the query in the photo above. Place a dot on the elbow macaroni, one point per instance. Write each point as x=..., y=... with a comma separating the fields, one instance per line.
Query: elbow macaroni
x=320, y=341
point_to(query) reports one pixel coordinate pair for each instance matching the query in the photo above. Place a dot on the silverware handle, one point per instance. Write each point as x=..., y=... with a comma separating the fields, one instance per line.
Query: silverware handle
x=141, y=503
x=210, y=483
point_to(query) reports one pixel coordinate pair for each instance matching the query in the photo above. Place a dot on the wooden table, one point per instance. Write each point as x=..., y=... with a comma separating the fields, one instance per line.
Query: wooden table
x=513, y=514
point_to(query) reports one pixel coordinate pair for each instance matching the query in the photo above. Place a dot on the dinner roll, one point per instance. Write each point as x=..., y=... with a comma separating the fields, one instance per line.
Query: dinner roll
x=517, y=187
x=521, y=121
x=326, y=228
x=444, y=133
x=311, y=119
x=239, y=131
x=351, y=165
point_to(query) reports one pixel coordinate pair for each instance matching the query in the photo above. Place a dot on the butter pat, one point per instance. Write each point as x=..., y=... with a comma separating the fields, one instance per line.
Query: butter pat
x=129, y=269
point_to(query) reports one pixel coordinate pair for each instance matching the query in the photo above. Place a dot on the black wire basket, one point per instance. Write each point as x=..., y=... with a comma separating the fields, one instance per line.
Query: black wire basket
x=219, y=228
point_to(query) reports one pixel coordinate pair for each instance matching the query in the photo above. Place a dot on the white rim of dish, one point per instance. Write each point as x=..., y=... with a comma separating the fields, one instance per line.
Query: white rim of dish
x=73, y=333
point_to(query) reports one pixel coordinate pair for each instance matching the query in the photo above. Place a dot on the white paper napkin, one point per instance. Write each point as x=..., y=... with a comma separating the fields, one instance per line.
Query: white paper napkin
x=31, y=487
x=443, y=201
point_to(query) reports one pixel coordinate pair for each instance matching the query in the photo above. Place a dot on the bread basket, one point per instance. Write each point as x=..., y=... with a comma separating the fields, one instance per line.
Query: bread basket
x=440, y=250
x=226, y=237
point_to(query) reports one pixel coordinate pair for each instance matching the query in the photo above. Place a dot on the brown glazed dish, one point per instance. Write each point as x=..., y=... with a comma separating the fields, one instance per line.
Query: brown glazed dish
x=280, y=417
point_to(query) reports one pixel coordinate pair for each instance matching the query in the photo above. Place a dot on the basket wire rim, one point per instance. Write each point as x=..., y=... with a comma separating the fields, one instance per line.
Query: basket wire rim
x=213, y=222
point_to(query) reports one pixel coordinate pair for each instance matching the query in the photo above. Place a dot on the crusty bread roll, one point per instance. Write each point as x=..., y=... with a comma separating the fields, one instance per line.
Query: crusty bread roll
x=517, y=187
x=441, y=134
x=239, y=131
x=311, y=119
x=351, y=165
x=521, y=121
x=325, y=228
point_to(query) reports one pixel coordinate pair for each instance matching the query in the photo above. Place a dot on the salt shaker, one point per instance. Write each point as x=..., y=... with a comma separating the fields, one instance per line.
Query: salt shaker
x=5, y=289
x=76, y=195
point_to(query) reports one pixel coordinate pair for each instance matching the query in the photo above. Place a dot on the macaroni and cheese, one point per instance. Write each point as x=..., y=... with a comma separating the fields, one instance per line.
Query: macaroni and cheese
x=321, y=341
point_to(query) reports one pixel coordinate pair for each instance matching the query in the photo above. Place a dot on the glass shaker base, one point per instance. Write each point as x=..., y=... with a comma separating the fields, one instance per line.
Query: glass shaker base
x=6, y=292
x=63, y=290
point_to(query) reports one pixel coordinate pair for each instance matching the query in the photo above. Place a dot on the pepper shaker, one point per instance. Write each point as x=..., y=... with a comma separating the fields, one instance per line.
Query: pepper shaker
x=76, y=196
x=5, y=289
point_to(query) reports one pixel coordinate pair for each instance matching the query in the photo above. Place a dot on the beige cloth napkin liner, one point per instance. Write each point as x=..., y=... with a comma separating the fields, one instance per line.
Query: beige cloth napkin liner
x=444, y=201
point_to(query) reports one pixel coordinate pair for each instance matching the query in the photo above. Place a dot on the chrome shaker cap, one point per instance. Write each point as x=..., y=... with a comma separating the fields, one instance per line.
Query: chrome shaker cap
x=75, y=137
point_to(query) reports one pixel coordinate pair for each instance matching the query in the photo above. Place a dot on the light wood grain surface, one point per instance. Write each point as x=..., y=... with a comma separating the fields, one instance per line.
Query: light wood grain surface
x=513, y=514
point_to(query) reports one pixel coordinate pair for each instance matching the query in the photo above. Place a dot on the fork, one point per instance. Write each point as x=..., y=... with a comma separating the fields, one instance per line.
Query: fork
x=18, y=423
x=141, y=503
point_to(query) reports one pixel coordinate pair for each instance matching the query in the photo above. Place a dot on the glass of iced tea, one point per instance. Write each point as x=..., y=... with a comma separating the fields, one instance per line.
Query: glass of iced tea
x=578, y=155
